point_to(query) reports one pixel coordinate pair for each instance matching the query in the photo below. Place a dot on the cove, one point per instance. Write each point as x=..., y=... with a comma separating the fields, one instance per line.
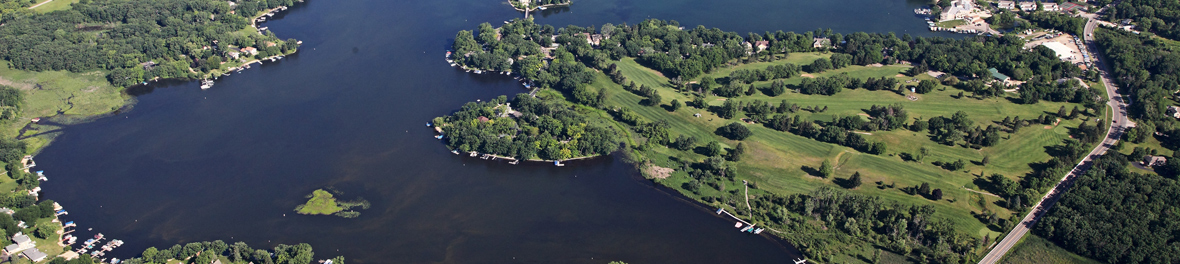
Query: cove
x=349, y=111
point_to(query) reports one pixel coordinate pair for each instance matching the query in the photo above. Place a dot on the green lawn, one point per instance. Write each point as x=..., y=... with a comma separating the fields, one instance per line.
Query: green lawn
x=54, y=5
x=321, y=202
x=1034, y=249
x=775, y=159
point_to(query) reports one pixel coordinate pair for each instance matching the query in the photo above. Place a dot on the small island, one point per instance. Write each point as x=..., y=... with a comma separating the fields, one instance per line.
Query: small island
x=322, y=202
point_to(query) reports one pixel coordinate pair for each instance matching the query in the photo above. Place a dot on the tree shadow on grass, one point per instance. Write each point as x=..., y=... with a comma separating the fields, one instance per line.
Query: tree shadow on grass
x=811, y=171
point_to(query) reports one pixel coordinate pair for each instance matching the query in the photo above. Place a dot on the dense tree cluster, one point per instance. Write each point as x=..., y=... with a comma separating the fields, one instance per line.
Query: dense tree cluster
x=206, y=252
x=958, y=128
x=11, y=101
x=1156, y=16
x=1148, y=70
x=905, y=229
x=544, y=128
x=773, y=72
x=9, y=8
x=831, y=133
x=126, y=36
x=827, y=85
x=1117, y=216
x=1054, y=20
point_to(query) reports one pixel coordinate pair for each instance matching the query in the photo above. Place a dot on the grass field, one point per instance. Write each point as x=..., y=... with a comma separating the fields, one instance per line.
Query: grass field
x=51, y=93
x=54, y=5
x=775, y=159
x=321, y=202
x=1034, y=249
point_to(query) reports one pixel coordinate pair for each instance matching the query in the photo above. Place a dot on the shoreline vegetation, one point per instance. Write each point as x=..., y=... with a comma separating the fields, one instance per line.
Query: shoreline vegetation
x=52, y=74
x=237, y=253
x=528, y=6
x=854, y=147
x=322, y=202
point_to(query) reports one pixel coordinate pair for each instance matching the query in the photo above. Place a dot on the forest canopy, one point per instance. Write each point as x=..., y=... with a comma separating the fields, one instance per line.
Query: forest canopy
x=545, y=127
x=136, y=40
x=1117, y=216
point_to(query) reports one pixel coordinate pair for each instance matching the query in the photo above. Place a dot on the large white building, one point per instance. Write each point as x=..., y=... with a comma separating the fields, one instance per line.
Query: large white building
x=959, y=9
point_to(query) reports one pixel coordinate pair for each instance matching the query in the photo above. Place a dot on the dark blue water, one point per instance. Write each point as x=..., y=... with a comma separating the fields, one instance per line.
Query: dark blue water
x=349, y=111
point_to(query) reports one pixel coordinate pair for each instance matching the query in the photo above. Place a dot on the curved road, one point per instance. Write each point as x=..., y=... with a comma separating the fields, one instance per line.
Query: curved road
x=1121, y=122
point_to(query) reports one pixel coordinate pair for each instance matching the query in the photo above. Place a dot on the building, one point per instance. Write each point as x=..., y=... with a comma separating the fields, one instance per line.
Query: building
x=34, y=254
x=1010, y=5
x=1174, y=111
x=821, y=42
x=250, y=50
x=959, y=9
x=1063, y=52
x=20, y=242
x=998, y=76
x=762, y=45
x=232, y=54
x=1151, y=161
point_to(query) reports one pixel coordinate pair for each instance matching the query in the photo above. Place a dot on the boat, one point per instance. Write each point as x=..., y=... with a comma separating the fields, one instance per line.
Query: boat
x=438, y=137
x=206, y=84
x=473, y=154
x=455, y=151
x=478, y=72
x=514, y=162
x=719, y=210
x=738, y=224
x=542, y=8
x=558, y=163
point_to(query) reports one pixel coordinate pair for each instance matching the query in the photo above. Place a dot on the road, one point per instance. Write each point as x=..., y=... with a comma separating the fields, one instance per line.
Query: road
x=1121, y=122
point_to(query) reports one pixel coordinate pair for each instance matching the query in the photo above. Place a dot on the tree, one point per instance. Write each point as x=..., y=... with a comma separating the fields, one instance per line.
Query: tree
x=675, y=105
x=1061, y=112
x=44, y=231
x=924, y=189
x=825, y=169
x=854, y=181
x=986, y=159
x=734, y=131
x=1170, y=169
x=736, y=153
x=713, y=149
x=707, y=83
x=1075, y=113
x=936, y=194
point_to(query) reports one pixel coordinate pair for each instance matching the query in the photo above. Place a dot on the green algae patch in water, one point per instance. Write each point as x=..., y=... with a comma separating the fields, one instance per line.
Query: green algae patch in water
x=321, y=202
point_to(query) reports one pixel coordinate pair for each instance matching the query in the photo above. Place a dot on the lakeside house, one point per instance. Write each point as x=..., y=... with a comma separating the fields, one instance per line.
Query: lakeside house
x=20, y=242
x=762, y=45
x=250, y=50
x=232, y=53
x=820, y=42
x=1174, y=111
x=34, y=254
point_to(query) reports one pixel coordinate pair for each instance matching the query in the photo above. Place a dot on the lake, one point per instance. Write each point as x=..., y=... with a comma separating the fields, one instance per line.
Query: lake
x=349, y=111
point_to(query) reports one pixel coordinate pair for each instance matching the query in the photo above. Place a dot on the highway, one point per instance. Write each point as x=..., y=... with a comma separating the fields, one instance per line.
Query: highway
x=1121, y=122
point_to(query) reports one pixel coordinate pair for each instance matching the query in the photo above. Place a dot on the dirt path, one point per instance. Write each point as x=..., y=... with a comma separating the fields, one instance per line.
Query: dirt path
x=39, y=4
x=981, y=192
